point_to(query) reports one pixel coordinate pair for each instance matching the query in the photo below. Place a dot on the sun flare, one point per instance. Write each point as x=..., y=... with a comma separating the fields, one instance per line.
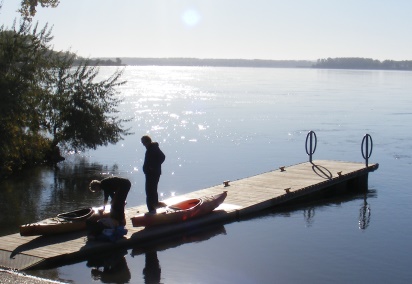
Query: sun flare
x=191, y=17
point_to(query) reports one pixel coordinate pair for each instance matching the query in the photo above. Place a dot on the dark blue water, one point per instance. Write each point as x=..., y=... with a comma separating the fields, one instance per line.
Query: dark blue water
x=218, y=124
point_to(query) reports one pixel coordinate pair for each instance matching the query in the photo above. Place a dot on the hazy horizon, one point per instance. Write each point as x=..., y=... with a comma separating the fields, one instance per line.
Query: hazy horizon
x=250, y=59
x=263, y=30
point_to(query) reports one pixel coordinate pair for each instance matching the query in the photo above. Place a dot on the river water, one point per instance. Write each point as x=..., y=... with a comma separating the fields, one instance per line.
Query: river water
x=217, y=124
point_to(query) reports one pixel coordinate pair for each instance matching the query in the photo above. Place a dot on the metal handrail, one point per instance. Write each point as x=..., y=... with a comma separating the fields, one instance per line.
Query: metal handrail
x=311, y=149
x=366, y=139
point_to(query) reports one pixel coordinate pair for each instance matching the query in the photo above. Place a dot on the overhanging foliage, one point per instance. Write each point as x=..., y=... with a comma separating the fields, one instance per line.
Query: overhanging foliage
x=46, y=101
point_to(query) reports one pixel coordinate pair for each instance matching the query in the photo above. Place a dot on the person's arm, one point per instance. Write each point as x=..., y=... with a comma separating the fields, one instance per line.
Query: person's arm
x=145, y=164
x=162, y=156
x=105, y=203
x=106, y=199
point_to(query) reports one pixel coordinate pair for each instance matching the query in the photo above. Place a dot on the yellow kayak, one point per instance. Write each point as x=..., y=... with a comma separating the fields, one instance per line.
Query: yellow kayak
x=62, y=223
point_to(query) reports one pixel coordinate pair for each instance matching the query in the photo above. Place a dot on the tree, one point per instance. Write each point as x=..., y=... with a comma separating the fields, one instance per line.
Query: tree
x=80, y=113
x=28, y=7
x=46, y=102
x=22, y=62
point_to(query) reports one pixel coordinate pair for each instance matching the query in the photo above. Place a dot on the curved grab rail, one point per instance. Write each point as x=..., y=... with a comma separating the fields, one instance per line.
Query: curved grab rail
x=311, y=149
x=368, y=152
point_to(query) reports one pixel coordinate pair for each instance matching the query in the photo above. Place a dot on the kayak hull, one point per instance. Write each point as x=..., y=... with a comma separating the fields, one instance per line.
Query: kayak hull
x=62, y=223
x=180, y=212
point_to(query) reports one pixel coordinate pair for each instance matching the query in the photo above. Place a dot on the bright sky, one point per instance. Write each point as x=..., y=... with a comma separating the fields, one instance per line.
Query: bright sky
x=258, y=29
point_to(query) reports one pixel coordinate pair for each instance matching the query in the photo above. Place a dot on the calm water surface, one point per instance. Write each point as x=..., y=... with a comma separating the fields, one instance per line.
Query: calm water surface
x=218, y=124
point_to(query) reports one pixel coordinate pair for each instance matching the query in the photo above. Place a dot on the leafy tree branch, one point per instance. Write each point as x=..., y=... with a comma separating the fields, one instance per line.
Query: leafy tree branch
x=28, y=7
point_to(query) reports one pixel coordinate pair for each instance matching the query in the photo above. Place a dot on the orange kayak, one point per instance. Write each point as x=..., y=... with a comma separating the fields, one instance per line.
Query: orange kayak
x=62, y=223
x=181, y=211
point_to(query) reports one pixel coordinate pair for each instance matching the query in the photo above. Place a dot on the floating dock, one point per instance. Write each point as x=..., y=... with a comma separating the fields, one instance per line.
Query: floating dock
x=283, y=186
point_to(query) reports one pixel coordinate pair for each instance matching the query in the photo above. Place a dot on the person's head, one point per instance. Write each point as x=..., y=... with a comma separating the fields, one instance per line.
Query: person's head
x=94, y=186
x=146, y=140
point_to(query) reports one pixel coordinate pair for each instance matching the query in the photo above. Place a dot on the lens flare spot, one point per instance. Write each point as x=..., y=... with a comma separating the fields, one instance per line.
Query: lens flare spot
x=191, y=17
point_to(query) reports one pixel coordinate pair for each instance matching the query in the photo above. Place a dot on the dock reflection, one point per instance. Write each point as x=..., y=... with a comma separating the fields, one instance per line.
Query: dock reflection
x=309, y=207
x=113, y=267
x=364, y=214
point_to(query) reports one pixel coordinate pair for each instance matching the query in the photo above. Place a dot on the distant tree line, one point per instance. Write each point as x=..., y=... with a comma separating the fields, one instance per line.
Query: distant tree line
x=331, y=63
x=362, y=63
x=78, y=60
x=100, y=61
x=217, y=62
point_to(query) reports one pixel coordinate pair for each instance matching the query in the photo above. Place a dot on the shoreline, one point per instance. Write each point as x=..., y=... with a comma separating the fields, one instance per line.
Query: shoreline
x=10, y=276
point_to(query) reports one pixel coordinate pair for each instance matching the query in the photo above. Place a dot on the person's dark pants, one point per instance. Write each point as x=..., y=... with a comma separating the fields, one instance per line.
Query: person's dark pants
x=152, y=197
x=118, y=203
x=119, y=216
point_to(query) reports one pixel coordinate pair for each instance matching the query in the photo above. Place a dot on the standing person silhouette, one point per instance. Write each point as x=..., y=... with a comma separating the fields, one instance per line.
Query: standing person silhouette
x=152, y=168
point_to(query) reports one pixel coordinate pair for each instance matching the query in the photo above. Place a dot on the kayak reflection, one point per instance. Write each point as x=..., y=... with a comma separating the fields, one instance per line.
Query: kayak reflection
x=196, y=236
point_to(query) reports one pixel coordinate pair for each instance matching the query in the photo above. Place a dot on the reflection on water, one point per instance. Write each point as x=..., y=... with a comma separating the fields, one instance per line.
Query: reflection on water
x=111, y=268
x=364, y=215
x=152, y=270
x=309, y=215
x=309, y=208
x=195, y=236
x=43, y=192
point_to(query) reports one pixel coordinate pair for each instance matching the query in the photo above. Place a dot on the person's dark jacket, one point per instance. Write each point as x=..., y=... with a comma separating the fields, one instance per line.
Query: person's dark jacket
x=153, y=160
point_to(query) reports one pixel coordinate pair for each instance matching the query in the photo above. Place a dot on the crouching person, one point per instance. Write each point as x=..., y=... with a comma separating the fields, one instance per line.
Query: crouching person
x=117, y=189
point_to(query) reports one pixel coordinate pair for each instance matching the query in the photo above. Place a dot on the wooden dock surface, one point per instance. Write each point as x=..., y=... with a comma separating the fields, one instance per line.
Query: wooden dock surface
x=245, y=196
